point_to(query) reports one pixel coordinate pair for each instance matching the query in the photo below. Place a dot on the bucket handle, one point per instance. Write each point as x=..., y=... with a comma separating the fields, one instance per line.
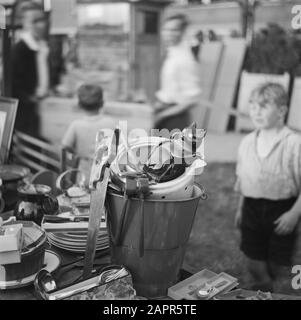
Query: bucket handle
x=204, y=195
x=141, y=240
x=116, y=240
x=122, y=221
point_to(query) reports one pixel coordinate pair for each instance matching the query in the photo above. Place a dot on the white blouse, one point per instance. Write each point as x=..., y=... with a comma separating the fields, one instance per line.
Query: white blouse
x=277, y=175
x=180, y=77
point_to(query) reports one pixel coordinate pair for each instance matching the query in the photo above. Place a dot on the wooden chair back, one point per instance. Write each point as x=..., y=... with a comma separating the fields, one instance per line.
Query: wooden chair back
x=69, y=159
x=34, y=153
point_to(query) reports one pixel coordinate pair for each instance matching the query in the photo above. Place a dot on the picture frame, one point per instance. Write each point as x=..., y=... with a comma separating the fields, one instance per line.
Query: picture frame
x=8, y=112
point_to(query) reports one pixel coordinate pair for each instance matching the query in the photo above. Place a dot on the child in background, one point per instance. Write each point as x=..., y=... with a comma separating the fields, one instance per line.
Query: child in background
x=81, y=134
x=269, y=180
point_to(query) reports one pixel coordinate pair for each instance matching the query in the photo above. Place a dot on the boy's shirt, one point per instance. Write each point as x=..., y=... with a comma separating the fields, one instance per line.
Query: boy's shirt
x=276, y=176
x=81, y=137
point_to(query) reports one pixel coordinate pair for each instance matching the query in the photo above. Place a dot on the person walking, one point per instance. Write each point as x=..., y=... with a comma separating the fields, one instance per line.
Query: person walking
x=30, y=68
x=180, y=88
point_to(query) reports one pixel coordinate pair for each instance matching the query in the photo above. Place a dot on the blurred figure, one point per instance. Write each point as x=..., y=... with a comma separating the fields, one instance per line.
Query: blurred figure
x=212, y=35
x=180, y=77
x=30, y=74
x=81, y=135
x=197, y=44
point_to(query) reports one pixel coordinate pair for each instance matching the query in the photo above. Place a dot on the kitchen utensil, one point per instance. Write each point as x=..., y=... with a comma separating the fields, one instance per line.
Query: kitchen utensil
x=51, y=263
x=58, y=219
x=179, y=188
x=46, y=282
x=98, y=279
x=100, y=175
x=35, y=201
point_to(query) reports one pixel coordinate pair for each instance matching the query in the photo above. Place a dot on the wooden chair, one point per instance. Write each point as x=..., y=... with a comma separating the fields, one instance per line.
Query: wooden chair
x=34, y=153
x=69, y=159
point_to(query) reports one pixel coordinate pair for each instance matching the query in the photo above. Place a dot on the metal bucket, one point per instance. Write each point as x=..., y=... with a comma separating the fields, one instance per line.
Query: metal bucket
x=149, y=237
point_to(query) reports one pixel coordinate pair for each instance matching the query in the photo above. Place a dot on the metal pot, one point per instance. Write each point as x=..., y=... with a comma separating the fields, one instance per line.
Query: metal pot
x=35, y=201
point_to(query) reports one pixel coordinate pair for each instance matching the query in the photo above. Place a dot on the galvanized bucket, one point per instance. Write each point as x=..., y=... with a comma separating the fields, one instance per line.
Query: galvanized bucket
x=149, y=237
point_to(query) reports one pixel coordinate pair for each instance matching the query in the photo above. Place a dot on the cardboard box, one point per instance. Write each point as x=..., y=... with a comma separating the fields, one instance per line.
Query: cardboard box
x=10, y=257
x=11, y=238
x=188, y=288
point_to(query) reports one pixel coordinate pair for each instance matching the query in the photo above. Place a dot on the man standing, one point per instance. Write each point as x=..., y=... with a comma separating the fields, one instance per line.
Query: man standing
x=30, y=77
x=180, y=78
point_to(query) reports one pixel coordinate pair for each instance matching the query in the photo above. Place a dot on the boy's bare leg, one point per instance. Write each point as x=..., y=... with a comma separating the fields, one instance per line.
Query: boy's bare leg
x=260, y=275
x=282, y=278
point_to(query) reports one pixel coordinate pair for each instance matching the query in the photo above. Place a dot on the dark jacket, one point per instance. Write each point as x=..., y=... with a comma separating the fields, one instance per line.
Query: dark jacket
x=24, y=85
x=24, y=72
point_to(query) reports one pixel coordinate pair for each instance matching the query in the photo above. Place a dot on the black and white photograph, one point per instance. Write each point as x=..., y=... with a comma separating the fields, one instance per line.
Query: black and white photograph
x=150, y=150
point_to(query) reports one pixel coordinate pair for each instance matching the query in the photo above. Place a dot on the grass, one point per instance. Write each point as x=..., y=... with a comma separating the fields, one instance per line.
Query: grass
x=214, y=241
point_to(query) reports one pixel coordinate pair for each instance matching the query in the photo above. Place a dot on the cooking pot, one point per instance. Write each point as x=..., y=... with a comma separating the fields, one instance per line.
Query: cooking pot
x=12, y=177
x=34, y=202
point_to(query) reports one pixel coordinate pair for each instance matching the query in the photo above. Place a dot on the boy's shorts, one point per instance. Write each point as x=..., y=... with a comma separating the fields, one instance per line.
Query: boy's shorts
x=258, y=239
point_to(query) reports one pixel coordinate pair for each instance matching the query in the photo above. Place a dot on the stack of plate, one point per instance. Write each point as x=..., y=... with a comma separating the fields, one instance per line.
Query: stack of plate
x=77, y=241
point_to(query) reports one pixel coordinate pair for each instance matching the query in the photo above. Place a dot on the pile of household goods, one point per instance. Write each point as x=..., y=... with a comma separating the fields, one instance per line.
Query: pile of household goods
x=113, y=282
x=68, y=229
x=158, y=167
x=22, y=251
x=151, y=200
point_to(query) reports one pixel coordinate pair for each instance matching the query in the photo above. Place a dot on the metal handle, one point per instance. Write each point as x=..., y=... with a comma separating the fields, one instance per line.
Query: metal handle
x=204, y=195
x=72, y=171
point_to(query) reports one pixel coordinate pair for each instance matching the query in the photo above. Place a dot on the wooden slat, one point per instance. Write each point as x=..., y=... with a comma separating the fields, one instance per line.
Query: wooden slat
x=29, y=163
x=36, y=142
x=222, y=109
x=227, y=82
x=39, y=156
x=210, y=57
x=34, y=153
x=294, y=116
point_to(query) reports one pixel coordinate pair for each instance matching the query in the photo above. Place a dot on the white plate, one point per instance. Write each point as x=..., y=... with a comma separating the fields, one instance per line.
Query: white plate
x=74, y=242
x=75, y=238
x=78, y=249
x=51, y=262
